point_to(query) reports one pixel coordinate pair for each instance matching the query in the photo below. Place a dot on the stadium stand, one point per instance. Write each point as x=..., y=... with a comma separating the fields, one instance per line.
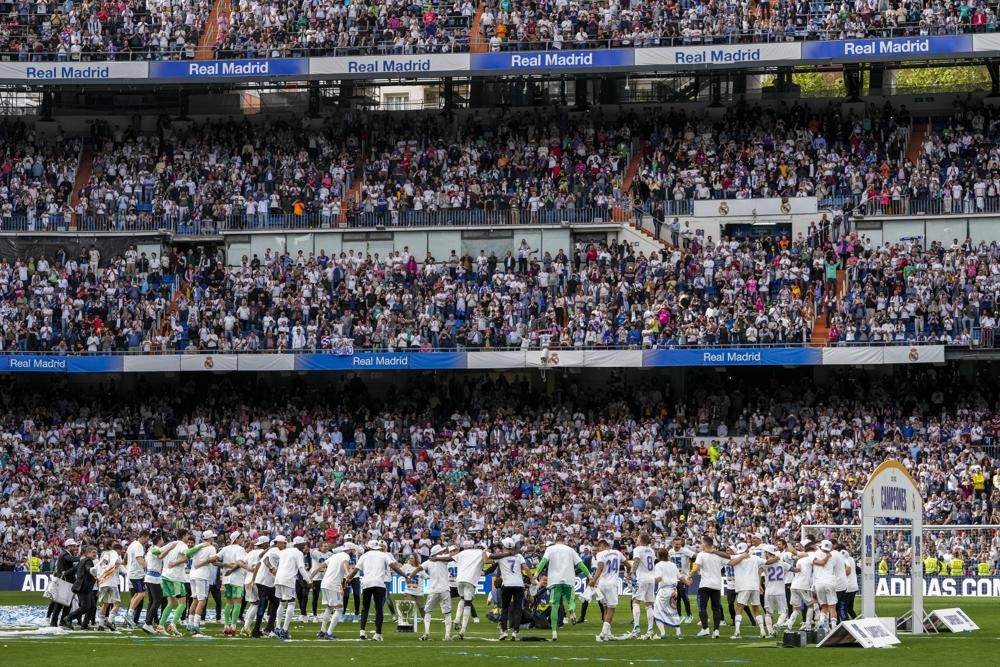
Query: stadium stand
x=736, y=462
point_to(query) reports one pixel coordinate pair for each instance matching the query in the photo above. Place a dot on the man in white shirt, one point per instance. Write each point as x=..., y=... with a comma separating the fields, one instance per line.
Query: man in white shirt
x=681, y=556
x=668, y=580
x=469, y=561
x=253, y=599
x=135, y=567
x=851, y=570
x=775, y=570
x=108, y=597
x=825, y=567
x=841, y=585
x=291, y=564
x=746, y=578
x=374, y=566
x=264, y=581
x=708, y=563
x=438, y=590
x=512, y=569
x=607, y=580
x=233, y=560
x=331, y=587
x=801, y=587
x=200, y=577
x=643, y=562
x=562, y=562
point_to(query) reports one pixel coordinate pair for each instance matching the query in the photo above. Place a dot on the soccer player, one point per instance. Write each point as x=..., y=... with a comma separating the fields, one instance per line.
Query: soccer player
x=776, y=567
x=644, y=593
x=108, y=597
x=709, y=563
x=469, y=561
x=513, y=569
x=606, y=579
x=746, y=576
x=668, y=580
x=153, y=583
x=414, y=592
x=291, y=564
x=438, y=589
x=331, y=587
x=373, y=566
x=135, y=558
x=355, y=551
x=562, y=561
x=826, y=566
x=851, y=569
x=175, y=557
x=201, y=575
x=318, y=556
x=681, y=555
x=233, y=560
x=253, y=600
x=801, y=587
x=264, y=580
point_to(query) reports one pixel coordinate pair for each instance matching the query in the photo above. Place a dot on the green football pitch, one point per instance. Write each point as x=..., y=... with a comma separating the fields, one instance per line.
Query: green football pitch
x=576, y=646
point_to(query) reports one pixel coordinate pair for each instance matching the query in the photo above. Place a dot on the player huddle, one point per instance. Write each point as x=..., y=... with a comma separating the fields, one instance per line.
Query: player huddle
x=261, y=578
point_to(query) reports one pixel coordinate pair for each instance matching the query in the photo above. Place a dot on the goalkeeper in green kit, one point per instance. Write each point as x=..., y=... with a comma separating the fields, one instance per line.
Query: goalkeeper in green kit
x=563, y=562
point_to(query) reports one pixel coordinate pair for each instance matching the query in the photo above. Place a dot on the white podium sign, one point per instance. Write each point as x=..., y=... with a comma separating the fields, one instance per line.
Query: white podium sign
x=868, y=632
x=951, y=620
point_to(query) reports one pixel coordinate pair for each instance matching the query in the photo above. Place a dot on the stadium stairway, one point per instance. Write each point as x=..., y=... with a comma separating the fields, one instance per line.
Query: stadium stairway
x=821, y=333
x=634, y=164
x=83, y=172
x=210, y=36
x=917, y=135
x=477, y=42
x=353, y=196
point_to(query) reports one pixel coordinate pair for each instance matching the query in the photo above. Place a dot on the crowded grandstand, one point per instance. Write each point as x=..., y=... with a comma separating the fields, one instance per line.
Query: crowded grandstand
x=497, y=321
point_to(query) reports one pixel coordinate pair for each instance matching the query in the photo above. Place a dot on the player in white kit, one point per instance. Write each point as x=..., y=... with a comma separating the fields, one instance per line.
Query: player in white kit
x=606, y=579
x=667, y=578
x=681, y=555
x=438, y=589
x=746, y=580
x=776, y=567
x=331, y=587
x=644, y=592
x=826, y=567
x=801, y=587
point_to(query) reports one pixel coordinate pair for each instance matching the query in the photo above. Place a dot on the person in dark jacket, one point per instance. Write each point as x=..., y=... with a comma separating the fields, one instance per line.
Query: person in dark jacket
x=86, y=596
x=65, y=570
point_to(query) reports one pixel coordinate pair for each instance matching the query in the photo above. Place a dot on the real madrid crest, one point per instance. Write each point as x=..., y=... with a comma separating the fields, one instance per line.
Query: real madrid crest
x=724, y=208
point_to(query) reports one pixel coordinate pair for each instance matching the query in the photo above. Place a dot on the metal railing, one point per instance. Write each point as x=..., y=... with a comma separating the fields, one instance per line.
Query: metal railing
x=889, y=206
x=455, y=28
x=183, y=346
x=351, y=219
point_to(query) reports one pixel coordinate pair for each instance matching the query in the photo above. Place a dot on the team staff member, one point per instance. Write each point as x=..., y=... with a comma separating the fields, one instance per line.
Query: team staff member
x=709, y=563
x=65, y=570
x=83, y=586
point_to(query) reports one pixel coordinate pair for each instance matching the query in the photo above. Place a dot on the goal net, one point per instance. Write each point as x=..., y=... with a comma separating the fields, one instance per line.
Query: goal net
x=958, y=551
